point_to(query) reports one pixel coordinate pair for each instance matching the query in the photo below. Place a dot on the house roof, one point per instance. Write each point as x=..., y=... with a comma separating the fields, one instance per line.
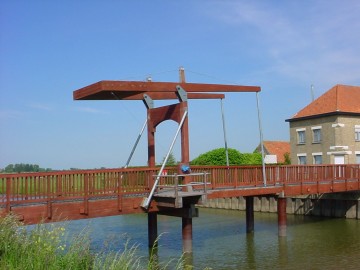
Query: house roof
x=278, y=148
x=340, y=99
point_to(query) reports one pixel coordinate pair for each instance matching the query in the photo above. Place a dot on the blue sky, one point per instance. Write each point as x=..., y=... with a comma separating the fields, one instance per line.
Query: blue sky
x=48, y=49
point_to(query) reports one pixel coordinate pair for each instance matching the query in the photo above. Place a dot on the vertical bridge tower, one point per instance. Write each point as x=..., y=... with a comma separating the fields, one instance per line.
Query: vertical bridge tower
x=180, y=204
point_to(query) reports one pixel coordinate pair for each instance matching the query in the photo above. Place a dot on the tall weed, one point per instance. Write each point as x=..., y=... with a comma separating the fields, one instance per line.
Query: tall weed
x=46, y=247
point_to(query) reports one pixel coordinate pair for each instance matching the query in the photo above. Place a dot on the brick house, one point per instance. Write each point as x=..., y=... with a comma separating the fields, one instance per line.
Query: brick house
x=274, y=151
x=327, y=131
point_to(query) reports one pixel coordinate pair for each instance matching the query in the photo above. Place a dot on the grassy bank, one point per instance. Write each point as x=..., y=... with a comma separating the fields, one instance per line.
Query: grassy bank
x=46, y=247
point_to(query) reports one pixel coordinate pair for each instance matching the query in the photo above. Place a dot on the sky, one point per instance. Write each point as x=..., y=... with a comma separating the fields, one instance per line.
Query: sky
x=48, y=49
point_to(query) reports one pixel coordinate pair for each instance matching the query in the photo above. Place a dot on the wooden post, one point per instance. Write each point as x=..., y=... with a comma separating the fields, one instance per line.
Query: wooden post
x=86, y=194
x=249, y=214
x=152, y=229
x=281, y=207
x=187, y=234
x=8, y=191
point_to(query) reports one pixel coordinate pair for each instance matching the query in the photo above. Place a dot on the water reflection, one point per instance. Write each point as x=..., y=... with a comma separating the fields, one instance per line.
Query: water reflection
x=220, y=240
x=283, y=252
x=250, y=251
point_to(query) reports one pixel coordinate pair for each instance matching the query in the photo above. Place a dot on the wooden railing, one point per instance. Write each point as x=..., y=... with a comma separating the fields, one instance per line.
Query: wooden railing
x=27, y=188
x=72, y=185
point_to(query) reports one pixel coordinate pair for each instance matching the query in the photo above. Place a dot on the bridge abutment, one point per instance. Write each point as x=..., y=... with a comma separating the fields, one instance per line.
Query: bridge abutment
x=339, y=205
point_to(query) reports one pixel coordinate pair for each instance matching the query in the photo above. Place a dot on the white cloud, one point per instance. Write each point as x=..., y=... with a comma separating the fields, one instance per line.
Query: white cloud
x=10, y=114
x=317, y=41
x=40, y=106
x=89, y=110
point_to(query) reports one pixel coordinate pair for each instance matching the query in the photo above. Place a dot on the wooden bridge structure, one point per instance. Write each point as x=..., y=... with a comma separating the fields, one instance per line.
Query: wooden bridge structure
x=68, y=195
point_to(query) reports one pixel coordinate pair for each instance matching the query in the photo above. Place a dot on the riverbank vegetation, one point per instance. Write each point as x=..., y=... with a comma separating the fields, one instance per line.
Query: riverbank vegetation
x=46, y=247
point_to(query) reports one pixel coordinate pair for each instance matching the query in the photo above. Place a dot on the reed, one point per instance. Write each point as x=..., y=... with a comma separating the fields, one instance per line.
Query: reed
x=46, y=247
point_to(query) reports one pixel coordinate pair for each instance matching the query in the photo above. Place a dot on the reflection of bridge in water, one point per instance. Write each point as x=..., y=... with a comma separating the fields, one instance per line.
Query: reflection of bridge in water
x=69, y=195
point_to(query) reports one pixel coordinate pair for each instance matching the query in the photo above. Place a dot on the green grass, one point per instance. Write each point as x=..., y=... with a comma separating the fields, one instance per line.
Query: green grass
x=45, y=247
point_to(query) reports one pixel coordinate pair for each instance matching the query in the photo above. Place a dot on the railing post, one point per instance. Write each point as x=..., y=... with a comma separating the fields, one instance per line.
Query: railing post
x=205, y=185
x=176, y=189
x=119, y=195
x=8, y=192
x=214, y=179
x=86, y=194
x=58, y=186
x=48, y=195
x=235, y=177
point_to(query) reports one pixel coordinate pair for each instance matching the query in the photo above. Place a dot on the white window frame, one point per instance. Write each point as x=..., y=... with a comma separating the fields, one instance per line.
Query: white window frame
x=316, y=134
x=315, y=155
x=301, y=139
x=357, y=157
x=357, y=133
x=300, y=157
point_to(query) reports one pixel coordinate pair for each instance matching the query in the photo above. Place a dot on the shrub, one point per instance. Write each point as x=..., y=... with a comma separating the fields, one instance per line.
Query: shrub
x=217, y=157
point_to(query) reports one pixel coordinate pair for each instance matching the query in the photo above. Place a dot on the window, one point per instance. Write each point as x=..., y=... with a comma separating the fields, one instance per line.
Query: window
x=301, y=135
x=357, y=158
x=357, y=132
x=316, y=134
x=301, y=159
x=317, y=159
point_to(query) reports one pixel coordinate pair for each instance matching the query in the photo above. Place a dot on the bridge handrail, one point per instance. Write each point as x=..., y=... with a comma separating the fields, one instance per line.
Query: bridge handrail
x=64, y=185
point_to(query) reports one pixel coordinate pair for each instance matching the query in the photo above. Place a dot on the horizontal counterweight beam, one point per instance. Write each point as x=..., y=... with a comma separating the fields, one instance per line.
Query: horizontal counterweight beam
x=134, y=90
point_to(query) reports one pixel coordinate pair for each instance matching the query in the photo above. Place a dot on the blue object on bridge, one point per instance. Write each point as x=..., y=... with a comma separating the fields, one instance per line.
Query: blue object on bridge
x=185, y=168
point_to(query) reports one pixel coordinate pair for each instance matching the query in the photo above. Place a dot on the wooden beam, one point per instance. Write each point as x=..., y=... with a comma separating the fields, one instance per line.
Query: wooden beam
x=125, y=89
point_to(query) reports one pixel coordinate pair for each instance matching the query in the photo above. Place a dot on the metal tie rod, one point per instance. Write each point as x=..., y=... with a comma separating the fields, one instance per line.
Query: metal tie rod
x=146, y=201
x=135, y=145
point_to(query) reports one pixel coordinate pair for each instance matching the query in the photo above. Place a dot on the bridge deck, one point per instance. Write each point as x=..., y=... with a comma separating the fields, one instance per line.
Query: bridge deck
x=69, y=195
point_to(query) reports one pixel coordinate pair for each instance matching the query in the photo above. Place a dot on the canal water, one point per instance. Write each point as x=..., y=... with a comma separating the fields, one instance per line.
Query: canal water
x=220, y=240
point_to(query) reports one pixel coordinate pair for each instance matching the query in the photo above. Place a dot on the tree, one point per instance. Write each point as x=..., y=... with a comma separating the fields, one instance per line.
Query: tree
x=171, y=160
x=217, y=157
x=21, y=167
x=9, y=168
x=287, y=158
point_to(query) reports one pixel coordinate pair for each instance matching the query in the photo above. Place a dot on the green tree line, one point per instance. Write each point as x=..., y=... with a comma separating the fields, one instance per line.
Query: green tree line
x=23, y=167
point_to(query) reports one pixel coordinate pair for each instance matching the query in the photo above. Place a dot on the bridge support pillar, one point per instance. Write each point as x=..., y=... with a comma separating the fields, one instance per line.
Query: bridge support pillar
x=281, y=207
x=187, y=234
x=249, y=214
x=152, y=229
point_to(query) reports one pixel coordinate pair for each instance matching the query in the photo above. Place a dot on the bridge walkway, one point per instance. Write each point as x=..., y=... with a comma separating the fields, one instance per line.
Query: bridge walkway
x=53, y=196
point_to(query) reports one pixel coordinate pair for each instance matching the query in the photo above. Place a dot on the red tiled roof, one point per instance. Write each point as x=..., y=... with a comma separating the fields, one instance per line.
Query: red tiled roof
x=340, y=99
x=278, y=148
